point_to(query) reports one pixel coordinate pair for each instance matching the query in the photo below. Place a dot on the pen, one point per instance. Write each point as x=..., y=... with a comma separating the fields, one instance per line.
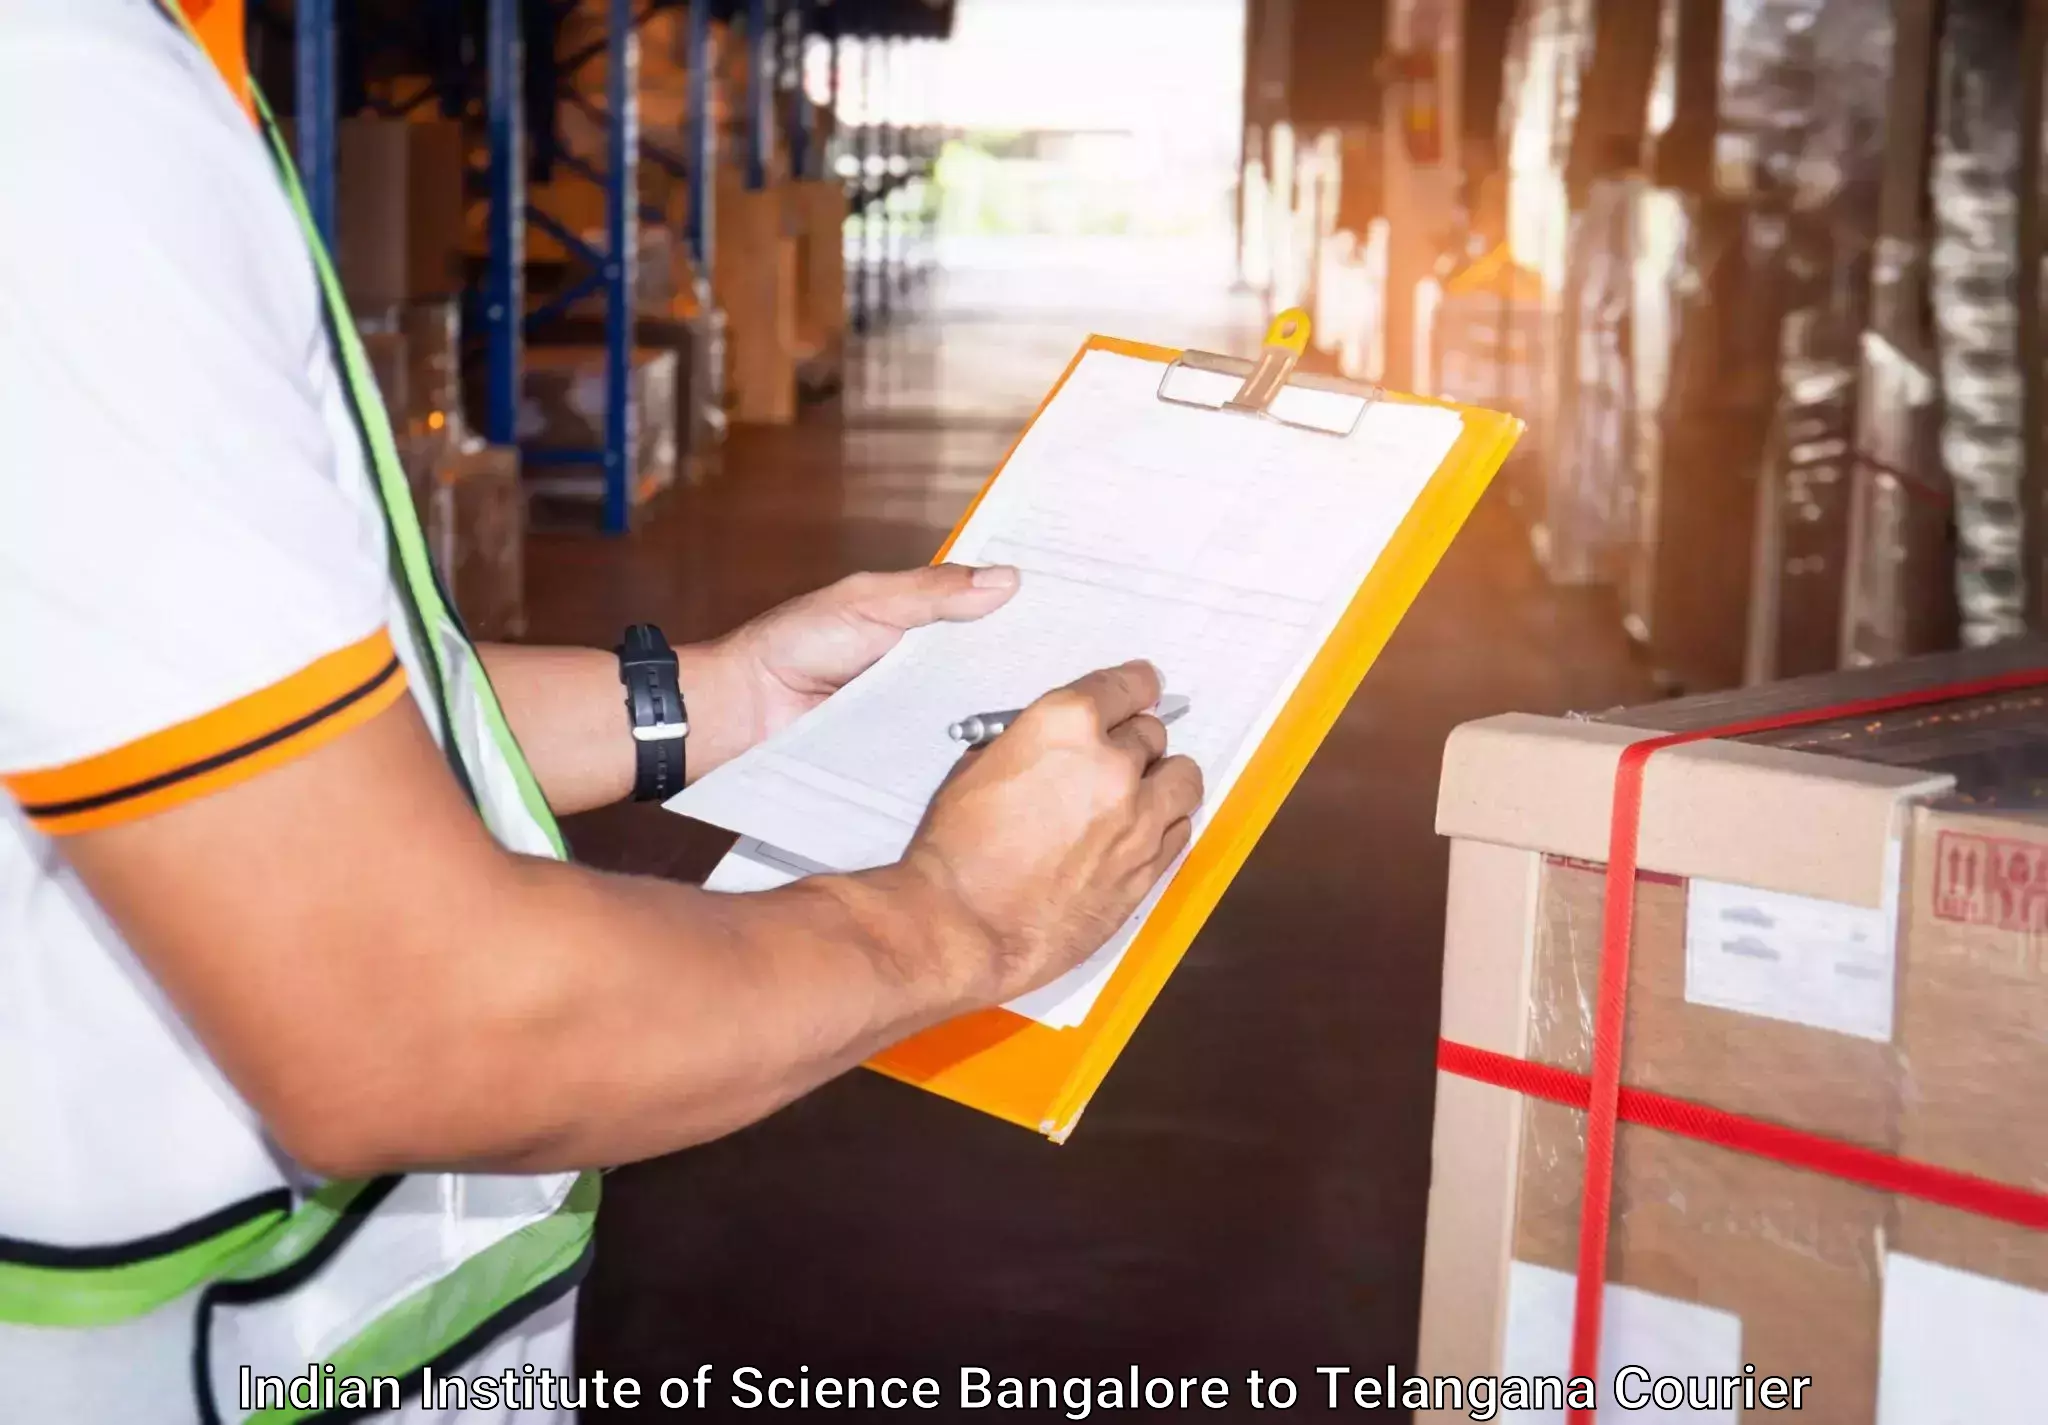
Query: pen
x=985, y=727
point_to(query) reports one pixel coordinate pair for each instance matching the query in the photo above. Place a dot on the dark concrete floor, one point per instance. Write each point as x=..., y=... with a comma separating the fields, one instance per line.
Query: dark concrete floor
x=1247, y=1190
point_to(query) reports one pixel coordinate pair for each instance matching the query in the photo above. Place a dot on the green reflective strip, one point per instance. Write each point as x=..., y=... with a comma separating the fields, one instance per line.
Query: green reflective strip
x=433, y=1320
x=396, y=495
x=300, y=1233
x=101, y=1296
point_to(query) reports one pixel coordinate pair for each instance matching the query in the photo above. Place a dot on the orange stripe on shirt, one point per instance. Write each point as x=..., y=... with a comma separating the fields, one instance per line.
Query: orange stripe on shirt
x=221, y=28
x=217, y=749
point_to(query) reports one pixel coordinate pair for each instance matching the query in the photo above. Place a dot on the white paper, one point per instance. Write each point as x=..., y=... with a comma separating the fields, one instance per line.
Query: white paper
x=1220, y=547
x=1958, y=1348
x=1661, y=1334
x=1807, y=961
x=750, y=866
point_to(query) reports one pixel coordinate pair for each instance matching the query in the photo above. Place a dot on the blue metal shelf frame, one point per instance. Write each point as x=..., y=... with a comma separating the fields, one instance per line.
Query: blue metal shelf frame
x=701, y=159
x=760, y=93
x=313, y=67
x=802, y=121
x=504, y=289
x=609, y=263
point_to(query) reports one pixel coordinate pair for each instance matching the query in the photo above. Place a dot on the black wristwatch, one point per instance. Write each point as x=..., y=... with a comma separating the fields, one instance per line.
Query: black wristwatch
x=654, y=707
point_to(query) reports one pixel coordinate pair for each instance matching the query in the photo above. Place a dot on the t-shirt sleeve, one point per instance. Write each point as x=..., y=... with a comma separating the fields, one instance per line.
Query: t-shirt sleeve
x=188, y=596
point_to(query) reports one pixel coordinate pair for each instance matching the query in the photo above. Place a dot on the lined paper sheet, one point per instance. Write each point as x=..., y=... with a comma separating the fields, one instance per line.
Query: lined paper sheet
x=1222, y=548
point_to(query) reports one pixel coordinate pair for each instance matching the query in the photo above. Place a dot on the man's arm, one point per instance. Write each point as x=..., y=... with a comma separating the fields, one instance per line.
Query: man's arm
x=568, y=710
x=390, y=989
x=567, y=707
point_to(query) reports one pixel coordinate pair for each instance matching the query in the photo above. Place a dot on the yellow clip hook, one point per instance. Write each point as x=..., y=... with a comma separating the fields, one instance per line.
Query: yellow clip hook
x=1286, y=339
x=1290, y=329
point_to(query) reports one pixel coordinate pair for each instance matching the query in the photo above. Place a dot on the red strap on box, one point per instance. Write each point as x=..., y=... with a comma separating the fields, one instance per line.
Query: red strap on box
x=1851, y=1162
x=1602, y=1088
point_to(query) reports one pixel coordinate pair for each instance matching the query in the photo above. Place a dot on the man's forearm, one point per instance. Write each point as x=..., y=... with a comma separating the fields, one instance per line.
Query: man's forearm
x=391, y=989
x=568, y=710
x=631, y=1017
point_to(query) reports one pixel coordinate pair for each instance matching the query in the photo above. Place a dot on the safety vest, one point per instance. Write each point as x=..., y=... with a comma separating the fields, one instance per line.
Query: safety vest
x=379, y=1279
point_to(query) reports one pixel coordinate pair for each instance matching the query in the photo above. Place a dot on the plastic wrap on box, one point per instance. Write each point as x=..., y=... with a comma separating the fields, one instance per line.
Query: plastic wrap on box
x=1705, y=390
x=562, y=405
x=1899, y=597
x=1899, y=594
x=433, y=353
x=700, y=395
x=390, y=365
x=1794, y=1257
x=1589, y=511
x=476, y=528
x=1482, y=327
x=1906, y=1022
x=1974, y=268
x=1806, y=86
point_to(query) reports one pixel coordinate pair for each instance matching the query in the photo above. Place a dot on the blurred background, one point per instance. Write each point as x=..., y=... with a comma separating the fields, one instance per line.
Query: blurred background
x=685, y=308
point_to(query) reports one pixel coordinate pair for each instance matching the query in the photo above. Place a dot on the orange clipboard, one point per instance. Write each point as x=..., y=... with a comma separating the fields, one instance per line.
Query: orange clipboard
x=1042, y=1078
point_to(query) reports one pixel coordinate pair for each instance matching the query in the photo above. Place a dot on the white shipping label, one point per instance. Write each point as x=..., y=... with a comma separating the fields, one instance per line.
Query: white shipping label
x=1958, y=1348
x=1660, y=1336
x=1796, y=958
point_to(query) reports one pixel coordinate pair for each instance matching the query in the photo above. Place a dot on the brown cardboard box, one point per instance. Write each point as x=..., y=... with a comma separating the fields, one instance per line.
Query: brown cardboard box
x=371, y=191
x=436, y=162
x=1789, y=1011
x=477, y=530
x=755, y=278
x=1973, y=1029
x=820, y=214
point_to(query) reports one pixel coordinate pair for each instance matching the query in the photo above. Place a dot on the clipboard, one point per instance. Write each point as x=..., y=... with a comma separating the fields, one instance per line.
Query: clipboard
x=1042, y=1078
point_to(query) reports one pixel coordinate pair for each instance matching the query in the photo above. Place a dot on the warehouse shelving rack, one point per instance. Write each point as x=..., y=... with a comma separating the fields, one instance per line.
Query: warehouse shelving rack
x=498, y=307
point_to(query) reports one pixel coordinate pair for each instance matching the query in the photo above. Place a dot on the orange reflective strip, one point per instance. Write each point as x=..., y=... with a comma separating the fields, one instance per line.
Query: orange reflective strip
x=221, y=27
x=217, y=749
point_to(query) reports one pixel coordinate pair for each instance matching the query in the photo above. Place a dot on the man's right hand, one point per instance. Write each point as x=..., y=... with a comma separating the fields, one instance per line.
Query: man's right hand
x=1050, y=836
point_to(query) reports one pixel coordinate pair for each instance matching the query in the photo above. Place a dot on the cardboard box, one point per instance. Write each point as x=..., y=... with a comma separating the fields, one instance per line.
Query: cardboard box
x=754, y=274
x=371, y=217
x=1842, y=929
x=436, y=167
x=472, y=512
x=819, y=210
x=477, y=530
x=562, y=404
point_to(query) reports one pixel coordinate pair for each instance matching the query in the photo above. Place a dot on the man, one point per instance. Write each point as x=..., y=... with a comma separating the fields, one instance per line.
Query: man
x=307, y=1036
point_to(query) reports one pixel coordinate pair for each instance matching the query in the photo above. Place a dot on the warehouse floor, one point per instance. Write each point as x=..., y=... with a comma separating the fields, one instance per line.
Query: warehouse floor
x=1247, y=1191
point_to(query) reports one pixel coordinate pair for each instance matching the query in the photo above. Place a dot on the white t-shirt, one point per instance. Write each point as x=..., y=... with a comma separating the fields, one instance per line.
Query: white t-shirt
x=194, y=587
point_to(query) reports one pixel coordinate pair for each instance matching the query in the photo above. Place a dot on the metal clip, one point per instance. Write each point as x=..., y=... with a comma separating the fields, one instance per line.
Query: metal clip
x=1323, y=404
x=1279, y=354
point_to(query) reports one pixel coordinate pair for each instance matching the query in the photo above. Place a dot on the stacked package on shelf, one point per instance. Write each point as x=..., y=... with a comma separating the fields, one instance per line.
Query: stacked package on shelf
x=1481, y=323
x=1899, y=597
x=471, y=504
x=1830, y=1164
x=473, y=511
x=1975, y=283
x=1705, y=387
x=562, y=406
x=1590, y=507
x=1806, y=86
x=1537, y=64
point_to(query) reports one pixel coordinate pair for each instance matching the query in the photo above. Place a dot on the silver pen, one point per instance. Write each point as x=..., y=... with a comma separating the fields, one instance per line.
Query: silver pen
x=986, y=727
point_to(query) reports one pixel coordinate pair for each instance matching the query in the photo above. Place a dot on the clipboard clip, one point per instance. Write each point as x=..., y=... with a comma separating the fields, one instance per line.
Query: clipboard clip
x=1266, y=388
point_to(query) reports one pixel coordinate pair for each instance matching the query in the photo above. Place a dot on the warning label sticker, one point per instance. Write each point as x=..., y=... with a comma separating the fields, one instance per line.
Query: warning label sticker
x=1990, y=880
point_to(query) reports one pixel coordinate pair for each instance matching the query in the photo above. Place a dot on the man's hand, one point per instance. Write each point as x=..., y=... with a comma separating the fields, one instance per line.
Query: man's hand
x=568, y=711
x=557, y=1017
x=1051, y=835
x=784, y=663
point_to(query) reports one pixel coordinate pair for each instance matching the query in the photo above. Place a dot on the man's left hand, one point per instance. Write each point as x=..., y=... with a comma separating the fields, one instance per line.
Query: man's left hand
x=790, y=659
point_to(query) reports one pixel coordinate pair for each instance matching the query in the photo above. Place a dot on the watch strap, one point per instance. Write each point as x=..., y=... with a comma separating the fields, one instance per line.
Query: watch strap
x=656, y=715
